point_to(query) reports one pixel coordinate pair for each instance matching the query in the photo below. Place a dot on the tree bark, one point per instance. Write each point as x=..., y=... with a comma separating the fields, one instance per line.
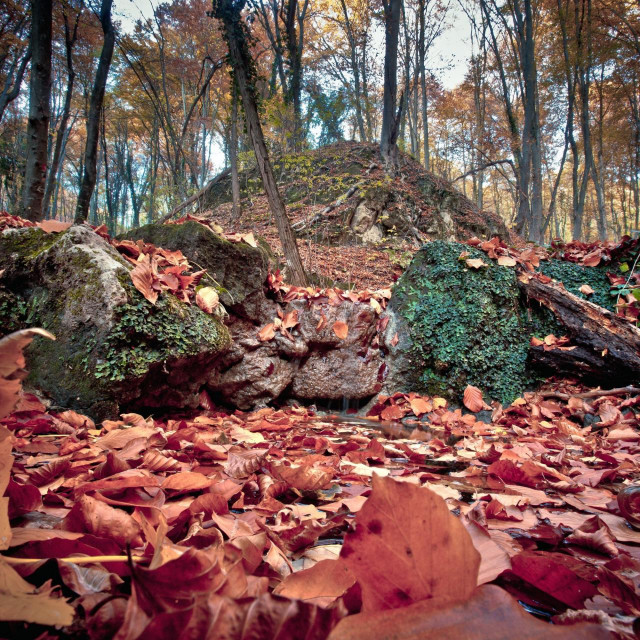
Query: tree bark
x=39, y=110
x=608, y=346
x=236, y=210
x=95, y=108
x=229, y=13
x=389, y=133
x=70, y=40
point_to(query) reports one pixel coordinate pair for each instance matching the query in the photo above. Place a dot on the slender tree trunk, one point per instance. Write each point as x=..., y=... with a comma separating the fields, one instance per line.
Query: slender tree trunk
x=95, y=108
x=61, y=136
x=39, y=110
x=236, y=211
x=229, y=13
x=389, y=134
x=423, y=83
x=12, y=82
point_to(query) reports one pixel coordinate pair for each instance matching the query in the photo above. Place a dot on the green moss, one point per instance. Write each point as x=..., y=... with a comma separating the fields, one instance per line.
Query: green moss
x=467, y=326
x=145, y=335
x=28, y=243
x=573, y=276
x=13, y=312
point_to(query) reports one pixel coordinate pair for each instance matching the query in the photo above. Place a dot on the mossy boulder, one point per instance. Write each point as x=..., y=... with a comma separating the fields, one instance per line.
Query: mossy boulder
x=458, y=325
x=238, y=270
x=113, y=347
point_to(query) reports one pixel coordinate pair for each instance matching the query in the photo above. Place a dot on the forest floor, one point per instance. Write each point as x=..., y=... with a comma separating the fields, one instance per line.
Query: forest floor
x=424, y=518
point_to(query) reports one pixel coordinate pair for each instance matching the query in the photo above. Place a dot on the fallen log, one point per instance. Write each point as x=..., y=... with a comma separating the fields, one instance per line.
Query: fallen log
x=196, y=196
x=607, y=346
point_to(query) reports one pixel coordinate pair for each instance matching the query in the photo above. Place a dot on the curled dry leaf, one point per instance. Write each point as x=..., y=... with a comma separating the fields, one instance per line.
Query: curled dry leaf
x=321, y=584
x=53, y=226
x=304, y=477
x=142, y=276
x=207, y=299
x=472, y=399
x=12, y=365
x=421, y=551
x=341, y=329
x=490, y=613
x=268, y=332
x=475, y=263
x=20, y=602
x=95, y=517
x=586, y=289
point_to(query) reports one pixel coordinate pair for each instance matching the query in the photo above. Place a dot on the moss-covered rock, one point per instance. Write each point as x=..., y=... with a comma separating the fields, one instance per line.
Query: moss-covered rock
x=113, y=347
x=459, y=325
x=573, y=276
x=237, y=269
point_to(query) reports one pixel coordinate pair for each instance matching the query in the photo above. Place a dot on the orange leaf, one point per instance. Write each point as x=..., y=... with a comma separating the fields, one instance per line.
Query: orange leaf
x=304, y=477
x=53, y=226
x=420, y=406
x=142, y=277
x=490, y=613
x=321, y=584
x=472, y=399
x=586, y=289
x=407, y=547
x=267, y=332
x=475, y=263
x=290, y=320
x=341, y=329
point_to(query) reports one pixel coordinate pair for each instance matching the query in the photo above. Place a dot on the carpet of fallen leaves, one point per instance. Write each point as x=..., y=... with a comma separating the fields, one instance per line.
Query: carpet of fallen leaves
x=285, y=523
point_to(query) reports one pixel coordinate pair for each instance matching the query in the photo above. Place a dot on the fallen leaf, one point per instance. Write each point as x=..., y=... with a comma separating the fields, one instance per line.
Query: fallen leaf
x=586, y=289
x=53, y=226
x=472, y=399
x=207, y=299
x=322, y=584
x=475, y=263
x=142, y=276
x=268, y=332
x=506, y=261
x=341, y=329
x=490, y=613
x=421, y=551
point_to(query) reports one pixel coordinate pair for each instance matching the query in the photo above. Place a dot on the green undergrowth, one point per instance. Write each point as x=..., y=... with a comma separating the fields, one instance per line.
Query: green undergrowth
x=573, y=276
x=144, y=335
x=467, y=326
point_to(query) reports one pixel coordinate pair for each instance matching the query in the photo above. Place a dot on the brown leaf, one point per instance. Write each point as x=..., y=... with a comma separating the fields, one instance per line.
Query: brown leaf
x=20, y=602
x=290, y=320
x=142, y=276
x=506, y=261
x=207, y=299
x=186, y=481
x=304, y=477
x=420, y=406
x=475, y=263
x=12, y=365
x=321, y=584
x=407, y=547
x=490, y=613
x=341, y=329
x=586, y=289
x=472, y=399
x=53, y=226
x=243, y=463
x=49, y=472
x=95, y=517
x=268, y=332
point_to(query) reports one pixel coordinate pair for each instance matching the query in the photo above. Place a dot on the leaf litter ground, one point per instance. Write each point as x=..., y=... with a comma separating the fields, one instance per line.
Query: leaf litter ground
x=419, y=520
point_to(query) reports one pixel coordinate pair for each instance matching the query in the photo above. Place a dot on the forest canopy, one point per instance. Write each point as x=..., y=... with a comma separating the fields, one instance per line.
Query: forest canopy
x=543, y=129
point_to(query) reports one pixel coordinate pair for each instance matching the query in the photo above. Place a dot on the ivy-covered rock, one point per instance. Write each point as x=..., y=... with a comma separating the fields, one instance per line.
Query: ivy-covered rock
x=113, y=347
x=573, y=276
x=458, y=325
x=238, y=270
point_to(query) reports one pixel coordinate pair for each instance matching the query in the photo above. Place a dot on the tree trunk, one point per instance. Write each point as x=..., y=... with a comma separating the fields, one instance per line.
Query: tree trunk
x=229, y=13
x=95, y=107
x=389, y=133
x=236, y=210
x=61, y=136
x=39, y=110
x=12, y=82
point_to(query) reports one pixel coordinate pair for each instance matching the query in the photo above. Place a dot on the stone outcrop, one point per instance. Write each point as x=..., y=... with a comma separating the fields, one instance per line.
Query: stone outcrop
x=113, y=347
